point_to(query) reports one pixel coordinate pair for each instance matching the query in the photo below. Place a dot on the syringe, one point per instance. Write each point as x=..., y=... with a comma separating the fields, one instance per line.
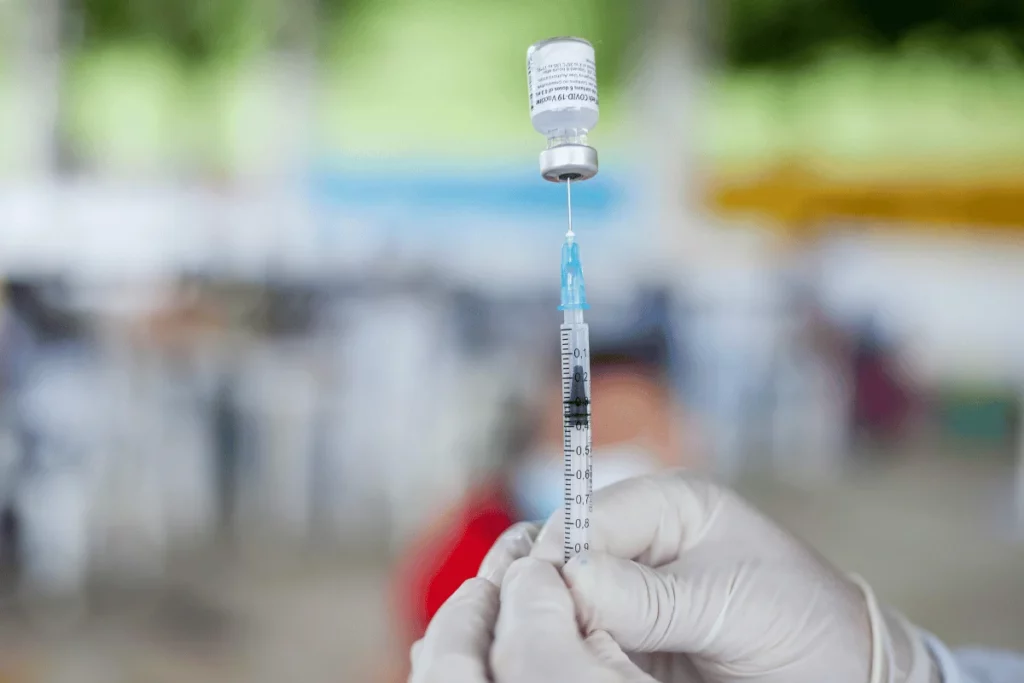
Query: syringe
x=562, y=81
x=576, y=416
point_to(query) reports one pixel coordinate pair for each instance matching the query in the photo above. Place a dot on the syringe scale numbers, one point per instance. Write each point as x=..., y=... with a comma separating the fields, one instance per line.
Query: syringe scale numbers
x=576, y=432
x=562, y=82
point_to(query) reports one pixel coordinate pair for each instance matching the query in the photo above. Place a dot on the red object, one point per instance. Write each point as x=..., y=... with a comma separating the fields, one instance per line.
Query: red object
x=882, y=403
x=449, y=553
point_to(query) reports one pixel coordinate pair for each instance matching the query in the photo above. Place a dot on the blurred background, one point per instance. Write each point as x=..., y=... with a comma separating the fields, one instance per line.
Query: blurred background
x=278, y=325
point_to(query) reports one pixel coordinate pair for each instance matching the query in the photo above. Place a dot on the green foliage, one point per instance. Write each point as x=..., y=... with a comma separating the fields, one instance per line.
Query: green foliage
x=755, y=32
x=615, y=27
x=892, y=21
x=196, y=30
x=200, y=30
x=789, y=32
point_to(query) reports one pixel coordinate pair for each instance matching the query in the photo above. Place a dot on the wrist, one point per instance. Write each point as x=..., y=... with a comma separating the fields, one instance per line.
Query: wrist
x=912, y=661
x=898, y=650
x=943, y=660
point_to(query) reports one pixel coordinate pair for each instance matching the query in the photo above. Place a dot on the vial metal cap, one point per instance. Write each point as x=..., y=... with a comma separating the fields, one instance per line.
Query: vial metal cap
x=575, y=162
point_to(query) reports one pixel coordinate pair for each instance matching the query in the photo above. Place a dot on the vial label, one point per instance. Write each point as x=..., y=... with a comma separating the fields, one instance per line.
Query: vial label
x=561, y=75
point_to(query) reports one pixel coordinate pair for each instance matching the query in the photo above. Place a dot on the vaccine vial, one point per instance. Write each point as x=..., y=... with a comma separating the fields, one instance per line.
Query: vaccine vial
x=561, y=77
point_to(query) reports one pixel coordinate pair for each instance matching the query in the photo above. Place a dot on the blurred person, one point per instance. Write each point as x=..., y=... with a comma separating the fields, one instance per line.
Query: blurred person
x=16, y=346
x=227, y=437
x=685, y=582
x=46, y=378
x=811, y=381
x=883, y=401
x=636, y=432
x=195, y=321
x=731, y=354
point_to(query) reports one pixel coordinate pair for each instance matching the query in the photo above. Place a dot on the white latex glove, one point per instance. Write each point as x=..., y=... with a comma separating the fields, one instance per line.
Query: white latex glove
x=684, y=572
x=534, y=638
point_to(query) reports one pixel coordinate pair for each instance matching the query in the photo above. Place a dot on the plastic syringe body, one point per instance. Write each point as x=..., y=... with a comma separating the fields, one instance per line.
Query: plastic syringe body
x=576, y=406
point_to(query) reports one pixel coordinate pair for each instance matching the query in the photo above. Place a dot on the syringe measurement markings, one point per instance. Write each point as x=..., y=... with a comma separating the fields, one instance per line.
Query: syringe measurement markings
x=576, y=415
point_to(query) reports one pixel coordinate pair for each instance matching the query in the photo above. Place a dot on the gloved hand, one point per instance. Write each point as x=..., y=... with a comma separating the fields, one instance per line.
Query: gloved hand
x=682, y=572
x=533, y=639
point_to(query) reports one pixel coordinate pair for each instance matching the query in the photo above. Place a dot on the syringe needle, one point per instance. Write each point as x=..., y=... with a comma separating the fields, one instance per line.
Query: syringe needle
x=568, y=197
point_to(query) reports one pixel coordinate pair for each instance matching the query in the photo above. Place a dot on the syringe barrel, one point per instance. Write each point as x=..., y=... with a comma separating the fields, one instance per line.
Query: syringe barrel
x=577, y=443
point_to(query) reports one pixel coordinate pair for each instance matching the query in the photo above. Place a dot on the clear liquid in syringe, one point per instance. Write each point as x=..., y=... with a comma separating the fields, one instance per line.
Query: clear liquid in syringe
x=576, y=413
